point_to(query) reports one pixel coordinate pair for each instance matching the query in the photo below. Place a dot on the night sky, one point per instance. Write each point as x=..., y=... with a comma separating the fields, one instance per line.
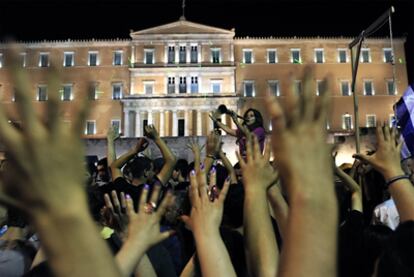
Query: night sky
x=62, y=19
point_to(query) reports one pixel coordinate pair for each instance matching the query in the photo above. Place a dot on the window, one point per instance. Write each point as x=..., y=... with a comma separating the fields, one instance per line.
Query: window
x=171, y=54
x=66, y=93
x=116, y=125
x=371, y=120
x=1, y=60
x=216, y=86
x=148, y=87
x=295, y=56
x=247, y=56
x=319, y=87
x=149, y=56
x=181, y=127
x=319, y=56
x=388, y=56
x=93, y=91
x=365, y=55
x=90, y=128
x=274, y=87
x=342, y=56
x=117, y=58
x=194, y=84
x=194, y=54
x=22, y=57
x=347, y=122
x=68, y=59
x=391, y=87
x=271, y=56
x=41, y=93
x=216, y=55
x=182, y=54
x=345, y=88
x=93, y=58
x=171, y=85
x=298, y=86
x=368, y=87
x=116, y=91
x=43, y=59
x=183, y=85
x=249, y=89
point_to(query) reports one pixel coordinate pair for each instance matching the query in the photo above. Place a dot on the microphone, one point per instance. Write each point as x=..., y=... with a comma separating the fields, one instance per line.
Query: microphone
x=223, y=110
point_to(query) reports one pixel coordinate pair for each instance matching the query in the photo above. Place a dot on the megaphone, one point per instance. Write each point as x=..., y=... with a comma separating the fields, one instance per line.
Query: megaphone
x=223, y=110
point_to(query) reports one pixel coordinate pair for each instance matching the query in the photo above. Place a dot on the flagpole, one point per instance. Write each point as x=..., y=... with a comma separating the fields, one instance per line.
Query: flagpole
x=355, y=62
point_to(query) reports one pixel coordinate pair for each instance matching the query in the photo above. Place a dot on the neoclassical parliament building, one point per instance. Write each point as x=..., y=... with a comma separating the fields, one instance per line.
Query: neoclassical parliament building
x=175, y=74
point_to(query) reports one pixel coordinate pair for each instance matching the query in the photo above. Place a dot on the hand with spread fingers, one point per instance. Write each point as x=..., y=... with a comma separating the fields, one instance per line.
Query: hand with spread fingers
x=144, y=228
x=151, y=132
x=303, y=159
x=387, y=157
x=204, y=221
x=46, y=174
x=115, y=209
x=260, y=242
x=196, y=149
x=258, y=173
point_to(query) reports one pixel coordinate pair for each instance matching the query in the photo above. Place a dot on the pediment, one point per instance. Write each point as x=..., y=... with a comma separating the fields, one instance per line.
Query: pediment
x=182, y=27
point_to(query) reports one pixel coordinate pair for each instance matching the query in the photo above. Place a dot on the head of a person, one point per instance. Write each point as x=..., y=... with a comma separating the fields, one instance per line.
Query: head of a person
x=253, y=119
x=102, y=170
x=180, y=170
x=238, y=172
x=140, y=168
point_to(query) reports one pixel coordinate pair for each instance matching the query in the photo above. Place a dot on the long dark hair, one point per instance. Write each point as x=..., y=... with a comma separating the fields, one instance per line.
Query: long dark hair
x=257, y=123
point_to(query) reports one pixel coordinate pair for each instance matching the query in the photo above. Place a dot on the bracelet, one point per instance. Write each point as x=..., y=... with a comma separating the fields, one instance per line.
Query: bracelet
x=396, y=178
x=211, y=156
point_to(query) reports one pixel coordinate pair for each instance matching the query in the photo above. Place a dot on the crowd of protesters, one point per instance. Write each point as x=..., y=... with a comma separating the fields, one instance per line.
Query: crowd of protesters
x=295, y=215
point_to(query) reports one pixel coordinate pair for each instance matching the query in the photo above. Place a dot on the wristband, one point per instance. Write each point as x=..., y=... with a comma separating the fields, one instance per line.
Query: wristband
x=396, y=178
x=211, y=156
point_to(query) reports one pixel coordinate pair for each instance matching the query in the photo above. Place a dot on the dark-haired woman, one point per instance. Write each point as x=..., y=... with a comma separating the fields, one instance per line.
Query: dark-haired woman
x=252, y=123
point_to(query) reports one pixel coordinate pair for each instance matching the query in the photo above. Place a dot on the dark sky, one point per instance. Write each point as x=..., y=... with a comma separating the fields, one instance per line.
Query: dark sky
x=75, y=19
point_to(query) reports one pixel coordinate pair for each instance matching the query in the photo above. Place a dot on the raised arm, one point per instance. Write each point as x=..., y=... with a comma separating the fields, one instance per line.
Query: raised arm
x=304, y=164
x=111, y=136
x=168, y=156
x=229, y=167
x=204, y=221
x=213, y=147
x=46, y=175
x=223, y=126
x=117, y=164
x=387, y=161
x=260, y=242
x=352, y=186
x=279, y=209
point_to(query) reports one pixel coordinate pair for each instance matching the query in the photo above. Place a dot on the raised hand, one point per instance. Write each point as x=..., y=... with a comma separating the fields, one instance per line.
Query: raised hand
x=141, y=145
x=151, y=132
x=257, y=172
x=386, y=158
x=115, y=211
x=143, y=229
x=112, y=134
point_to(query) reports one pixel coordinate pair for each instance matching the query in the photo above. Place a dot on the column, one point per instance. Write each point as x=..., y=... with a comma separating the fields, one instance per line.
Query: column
x=177, y=53
x=199, y=123
x=162, y=127
x=174, y=123
x=138, y=127
x=166, y=54
x=210, y=124
x=199, y=53
x=149, y=117
x=188, y=83
x=186, y=122
x=188, y=53
x=132, y=54
x=126, y=123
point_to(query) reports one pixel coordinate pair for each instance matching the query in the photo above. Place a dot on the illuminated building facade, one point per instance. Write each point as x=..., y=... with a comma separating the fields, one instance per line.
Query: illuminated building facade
x=173, y=75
